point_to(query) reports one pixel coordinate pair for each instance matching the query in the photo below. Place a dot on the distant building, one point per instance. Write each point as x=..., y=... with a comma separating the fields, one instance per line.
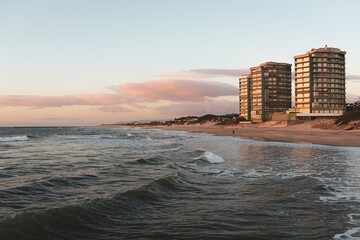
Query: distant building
x=320, y=82
x=244, y=96
x=270, y=90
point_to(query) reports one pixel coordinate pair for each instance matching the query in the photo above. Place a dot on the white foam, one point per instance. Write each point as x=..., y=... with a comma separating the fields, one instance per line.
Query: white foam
x=194, y=167
x=354, y=218
x=14, y=138
x=129, y=135
x=287, y=175
x=229, y=173
x=340, y=196
x=149, y=139
x=211, y=157
x=252, y=173
x=348, y=234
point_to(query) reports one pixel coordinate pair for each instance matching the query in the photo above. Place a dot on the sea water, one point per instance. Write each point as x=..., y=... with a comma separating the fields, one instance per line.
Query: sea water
x=96, y=183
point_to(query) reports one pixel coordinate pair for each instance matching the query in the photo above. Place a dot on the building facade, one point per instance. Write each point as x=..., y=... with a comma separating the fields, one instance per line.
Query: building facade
x=244, y=96
x=320, y=82
x=270, y=90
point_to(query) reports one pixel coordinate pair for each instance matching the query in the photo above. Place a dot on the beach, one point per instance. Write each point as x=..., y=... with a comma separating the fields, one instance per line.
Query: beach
x=298, y=133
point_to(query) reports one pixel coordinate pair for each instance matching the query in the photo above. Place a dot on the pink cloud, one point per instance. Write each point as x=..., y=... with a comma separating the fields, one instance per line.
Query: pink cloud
x=59, y=101
x=130, y=95
x=352, y=77
x=177, y=90
x=59, y=119
x=197, y=108
x=114, y=108
x=350, y=98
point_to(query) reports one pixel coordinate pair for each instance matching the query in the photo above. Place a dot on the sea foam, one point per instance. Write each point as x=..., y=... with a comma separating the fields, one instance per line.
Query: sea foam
x=348, y=234
x=211, y=157
x=14, y=138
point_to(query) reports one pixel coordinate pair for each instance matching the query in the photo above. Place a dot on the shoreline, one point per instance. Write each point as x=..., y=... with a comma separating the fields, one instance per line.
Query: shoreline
x=299, y=133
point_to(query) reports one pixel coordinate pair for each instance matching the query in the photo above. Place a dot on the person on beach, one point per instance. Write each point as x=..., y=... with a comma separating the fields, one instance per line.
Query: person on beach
x=233, y=132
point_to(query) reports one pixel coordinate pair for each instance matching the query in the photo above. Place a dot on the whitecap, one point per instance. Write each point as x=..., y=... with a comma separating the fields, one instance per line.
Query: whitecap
x=339, y=196
x=228, y=173
x=354, y=218
x=149, y=139
x=14, y=138
x=129, y=135
x=252, y=173
x=211, y=157
x=287, y=175
x=348, y=234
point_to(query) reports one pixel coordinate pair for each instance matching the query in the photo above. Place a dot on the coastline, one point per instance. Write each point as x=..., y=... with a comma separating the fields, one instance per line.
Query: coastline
x=298, y=133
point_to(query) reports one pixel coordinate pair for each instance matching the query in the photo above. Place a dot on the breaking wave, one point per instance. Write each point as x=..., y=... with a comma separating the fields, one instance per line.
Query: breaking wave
x=348, y=234
x=210, y=158
x=14, y=138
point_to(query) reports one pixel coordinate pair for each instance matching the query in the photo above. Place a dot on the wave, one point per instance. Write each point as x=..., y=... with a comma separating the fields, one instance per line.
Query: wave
x=209, y=171
x=210, y=158
x=129, y=135
x=157, y=160
x=290, y=175
x=159, y=190
x=252, y=173
x=340, y=197
x=63, y=221
x=348, y=234
x=354, y=219
x=149, y=139
x=324, y=188
x=14, y=138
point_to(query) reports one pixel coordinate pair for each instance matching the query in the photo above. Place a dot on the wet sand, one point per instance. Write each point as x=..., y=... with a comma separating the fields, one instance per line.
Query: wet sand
x=300, y=133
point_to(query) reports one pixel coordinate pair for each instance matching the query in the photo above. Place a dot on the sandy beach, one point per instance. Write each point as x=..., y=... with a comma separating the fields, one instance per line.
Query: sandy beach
x=299, y=133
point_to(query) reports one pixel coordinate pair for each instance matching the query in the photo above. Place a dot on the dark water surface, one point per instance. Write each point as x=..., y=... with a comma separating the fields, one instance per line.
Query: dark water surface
x=86, y=183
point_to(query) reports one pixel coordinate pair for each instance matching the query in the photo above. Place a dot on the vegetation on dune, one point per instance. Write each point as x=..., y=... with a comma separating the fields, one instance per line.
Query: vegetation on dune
x=352, y=113
x=227, y=119
x=217, y=119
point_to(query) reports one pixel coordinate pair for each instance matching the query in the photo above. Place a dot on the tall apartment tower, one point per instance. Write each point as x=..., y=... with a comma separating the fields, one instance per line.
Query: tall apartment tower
x=320, y=82
x=244, y=96
x=270, y=90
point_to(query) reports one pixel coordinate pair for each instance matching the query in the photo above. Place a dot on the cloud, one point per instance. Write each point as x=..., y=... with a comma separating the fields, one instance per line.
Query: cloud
x=221, y=72
x=59, y=119
x=114, y=108
x=207, y=73
x=60, y=101
x=130, y=95
x=350, y=98
x=177, y=90
x=197, y=108
x=352, y=77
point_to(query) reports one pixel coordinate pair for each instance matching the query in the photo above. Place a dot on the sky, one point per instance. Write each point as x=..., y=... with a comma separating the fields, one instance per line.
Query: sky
x=89, y=62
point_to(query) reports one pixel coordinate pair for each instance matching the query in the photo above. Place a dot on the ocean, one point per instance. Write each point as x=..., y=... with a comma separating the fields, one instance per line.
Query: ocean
x=97, y=183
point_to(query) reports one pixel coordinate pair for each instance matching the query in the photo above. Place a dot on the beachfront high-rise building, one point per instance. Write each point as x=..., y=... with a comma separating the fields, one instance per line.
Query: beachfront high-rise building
x=244, y=96
x=320, y=82
x=270, y=90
